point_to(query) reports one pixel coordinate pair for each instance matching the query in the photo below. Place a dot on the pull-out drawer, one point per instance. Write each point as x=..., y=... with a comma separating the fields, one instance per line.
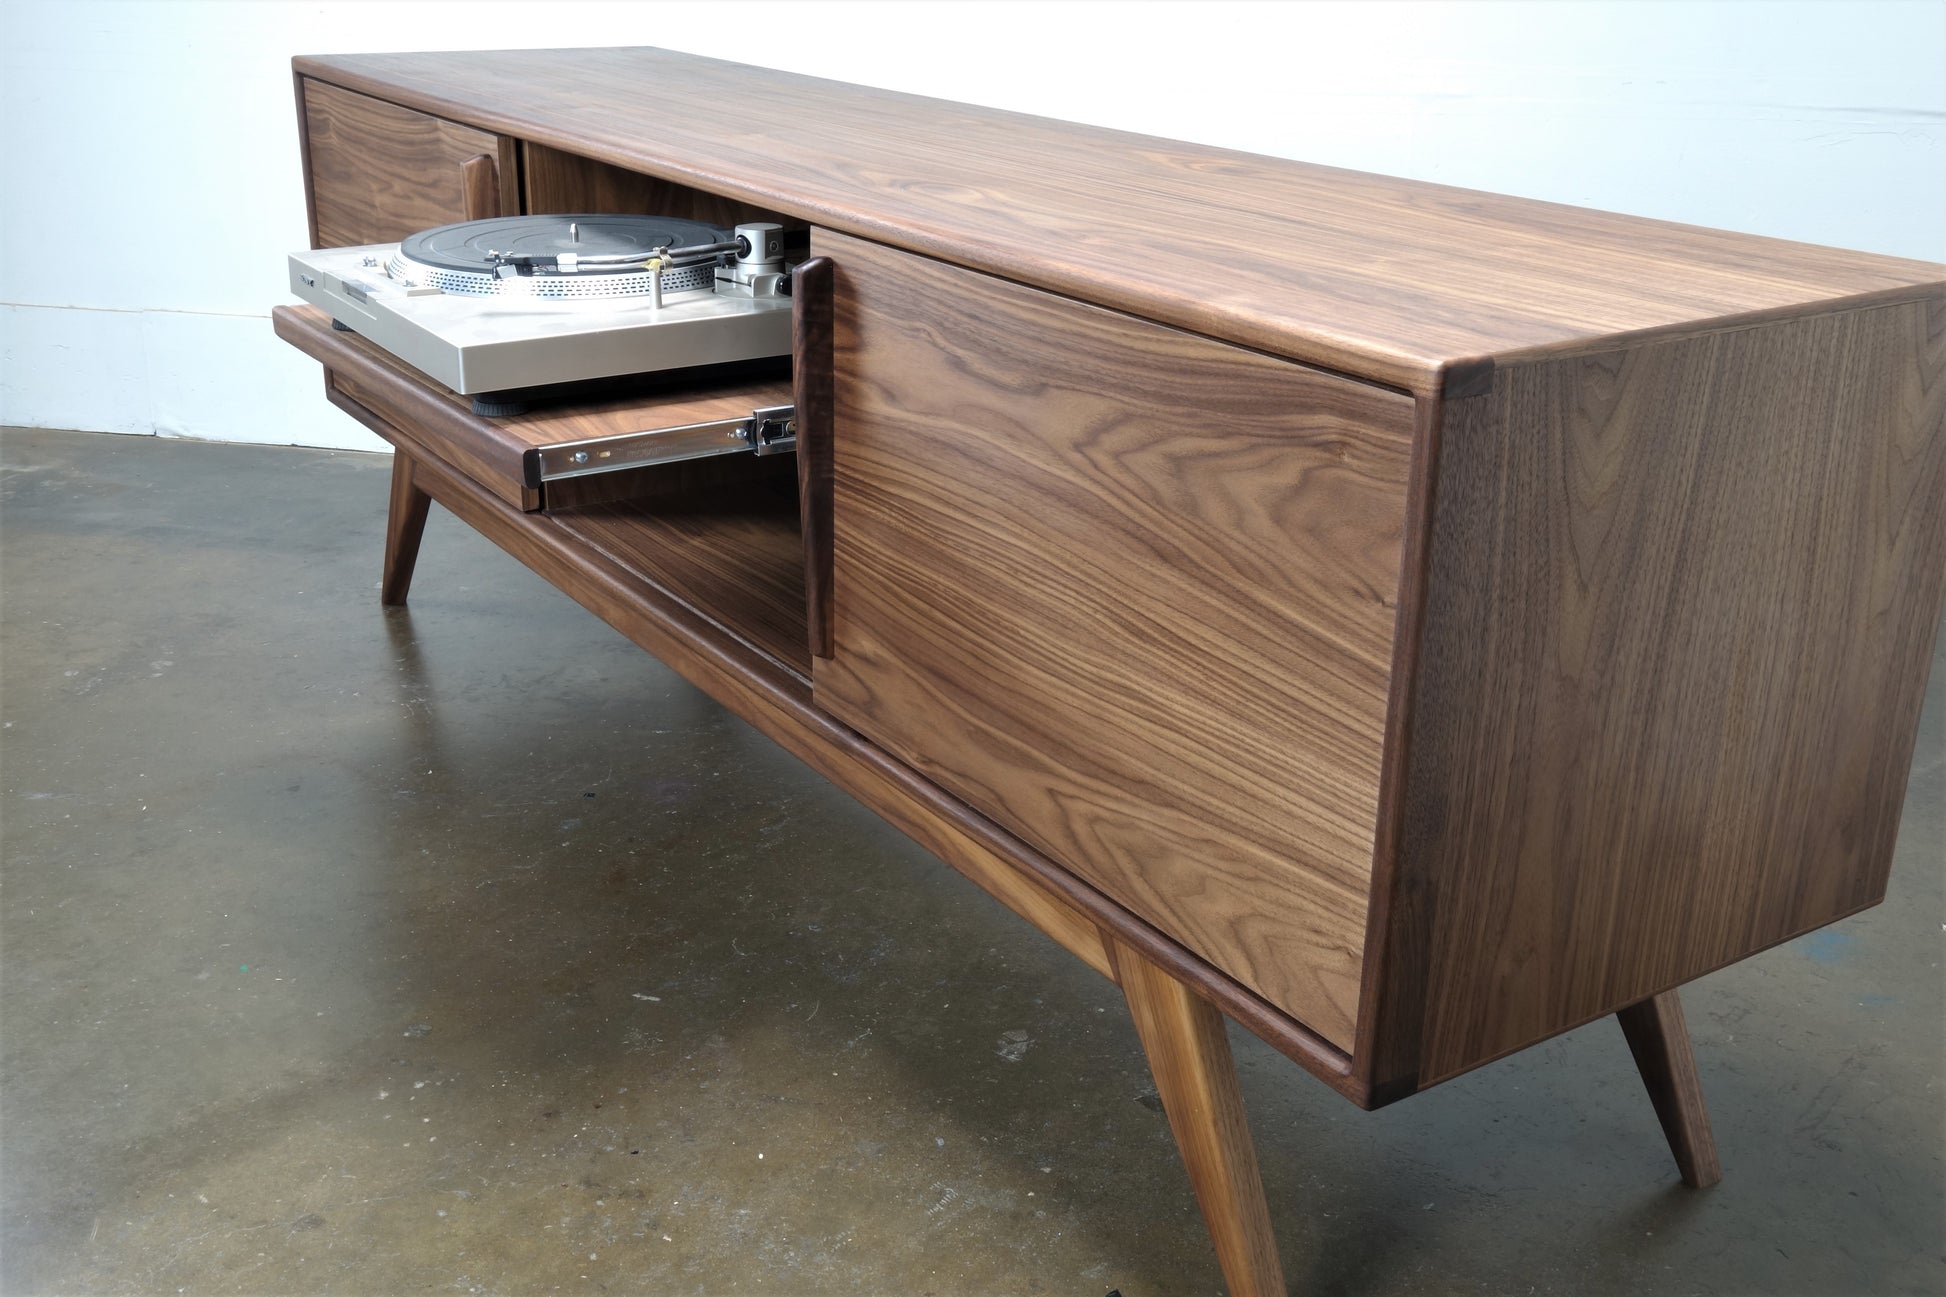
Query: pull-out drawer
x=668, y=439
x=1128, y=591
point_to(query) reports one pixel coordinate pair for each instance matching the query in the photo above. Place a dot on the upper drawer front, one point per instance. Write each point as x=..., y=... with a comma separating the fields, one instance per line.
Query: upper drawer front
x=1129, y=592
x=380, y=172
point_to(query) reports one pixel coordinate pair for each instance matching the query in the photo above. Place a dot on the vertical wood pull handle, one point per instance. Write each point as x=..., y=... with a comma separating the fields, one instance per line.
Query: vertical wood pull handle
x=479, y=178
x=812, y=381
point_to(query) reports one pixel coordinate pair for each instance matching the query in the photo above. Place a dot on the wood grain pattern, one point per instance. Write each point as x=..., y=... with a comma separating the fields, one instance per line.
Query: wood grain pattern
x=565, y=182
x=777, y=701
x=1189, y=1056
x=479, y=179
x=731, y=553
x=1680, y=609
x=405, y=524
x=811, y=378
x=1128, y=592
x=492, y=450
x=1391, y=279
x=1398, y=927
x=1659, y=1039
x=377, y=172
x=298, y=82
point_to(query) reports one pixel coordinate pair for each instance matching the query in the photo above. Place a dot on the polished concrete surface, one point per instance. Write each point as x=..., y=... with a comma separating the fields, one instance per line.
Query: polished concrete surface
x=466, y=949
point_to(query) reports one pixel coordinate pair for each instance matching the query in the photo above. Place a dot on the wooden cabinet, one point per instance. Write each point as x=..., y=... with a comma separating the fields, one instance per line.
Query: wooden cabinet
x=376, y=172
x=1409, y=621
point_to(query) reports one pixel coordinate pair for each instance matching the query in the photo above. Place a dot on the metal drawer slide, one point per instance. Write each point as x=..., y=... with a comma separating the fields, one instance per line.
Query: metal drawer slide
x=767, y=430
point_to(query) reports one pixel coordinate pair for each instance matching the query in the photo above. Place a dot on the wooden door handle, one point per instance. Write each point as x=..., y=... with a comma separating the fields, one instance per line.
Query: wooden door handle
x=812, y=379
x=479, y=178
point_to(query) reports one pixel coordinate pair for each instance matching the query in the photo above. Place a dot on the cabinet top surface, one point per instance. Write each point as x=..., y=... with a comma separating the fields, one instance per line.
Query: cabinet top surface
x=1390, y=279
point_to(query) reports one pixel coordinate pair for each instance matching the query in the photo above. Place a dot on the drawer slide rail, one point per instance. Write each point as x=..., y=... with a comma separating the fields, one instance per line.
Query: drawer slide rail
x=768, y=430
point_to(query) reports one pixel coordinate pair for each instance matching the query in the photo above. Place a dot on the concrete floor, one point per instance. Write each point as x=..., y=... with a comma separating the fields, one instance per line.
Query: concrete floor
x=469, y=950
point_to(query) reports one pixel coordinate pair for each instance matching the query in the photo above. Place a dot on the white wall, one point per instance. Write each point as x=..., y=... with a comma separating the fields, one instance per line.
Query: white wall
x=151, y=187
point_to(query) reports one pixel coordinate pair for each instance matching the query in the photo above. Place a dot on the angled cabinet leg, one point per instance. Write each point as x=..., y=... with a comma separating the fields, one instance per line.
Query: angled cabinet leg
x=1659, y=1039
x=1189, y=1055
x=404, y=525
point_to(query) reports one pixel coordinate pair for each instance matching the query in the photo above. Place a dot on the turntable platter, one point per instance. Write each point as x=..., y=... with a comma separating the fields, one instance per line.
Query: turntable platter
x=471, y=246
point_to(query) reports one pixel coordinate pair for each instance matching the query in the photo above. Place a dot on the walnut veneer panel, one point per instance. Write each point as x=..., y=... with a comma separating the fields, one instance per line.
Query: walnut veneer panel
x=1129, y=592
x=561, y=182
x=1681, y=603
x=1392, y=279
x=731, y=553
x=379, y=172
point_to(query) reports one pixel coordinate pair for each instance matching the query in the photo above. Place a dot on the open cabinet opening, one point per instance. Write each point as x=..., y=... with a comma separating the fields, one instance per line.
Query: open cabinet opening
x=718, y=532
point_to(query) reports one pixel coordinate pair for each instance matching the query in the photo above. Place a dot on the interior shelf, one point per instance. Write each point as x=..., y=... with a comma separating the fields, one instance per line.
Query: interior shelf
x=733, y=553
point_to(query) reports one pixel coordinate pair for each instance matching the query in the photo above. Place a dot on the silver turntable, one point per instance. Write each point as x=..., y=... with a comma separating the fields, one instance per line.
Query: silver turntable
x=495, y=307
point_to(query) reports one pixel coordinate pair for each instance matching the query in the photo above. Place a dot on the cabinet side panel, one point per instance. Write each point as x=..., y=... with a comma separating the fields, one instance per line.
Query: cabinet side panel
x=1130, y=593
x=1680, y=609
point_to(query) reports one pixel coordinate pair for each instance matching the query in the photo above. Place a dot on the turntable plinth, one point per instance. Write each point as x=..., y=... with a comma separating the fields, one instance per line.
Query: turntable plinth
x=1410, y=622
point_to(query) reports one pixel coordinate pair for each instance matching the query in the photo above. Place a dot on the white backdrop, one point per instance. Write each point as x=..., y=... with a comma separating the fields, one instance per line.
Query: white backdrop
x=149, y=184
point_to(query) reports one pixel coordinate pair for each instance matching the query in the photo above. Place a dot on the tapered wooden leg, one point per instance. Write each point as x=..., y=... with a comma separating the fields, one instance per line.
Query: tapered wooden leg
x=1659, y=1039
x=1189, y=1055
x=404, y=525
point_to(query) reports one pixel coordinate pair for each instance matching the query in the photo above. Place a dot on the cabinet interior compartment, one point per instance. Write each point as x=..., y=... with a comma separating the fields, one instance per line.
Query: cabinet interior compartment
x=721, y=533
x=553, y=180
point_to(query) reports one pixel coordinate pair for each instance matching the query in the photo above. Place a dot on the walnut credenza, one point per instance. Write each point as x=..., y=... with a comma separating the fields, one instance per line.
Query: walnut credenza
x=1410, y=621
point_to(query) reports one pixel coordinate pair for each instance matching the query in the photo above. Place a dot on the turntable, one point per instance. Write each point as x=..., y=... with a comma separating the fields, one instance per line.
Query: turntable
x=503, y=309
